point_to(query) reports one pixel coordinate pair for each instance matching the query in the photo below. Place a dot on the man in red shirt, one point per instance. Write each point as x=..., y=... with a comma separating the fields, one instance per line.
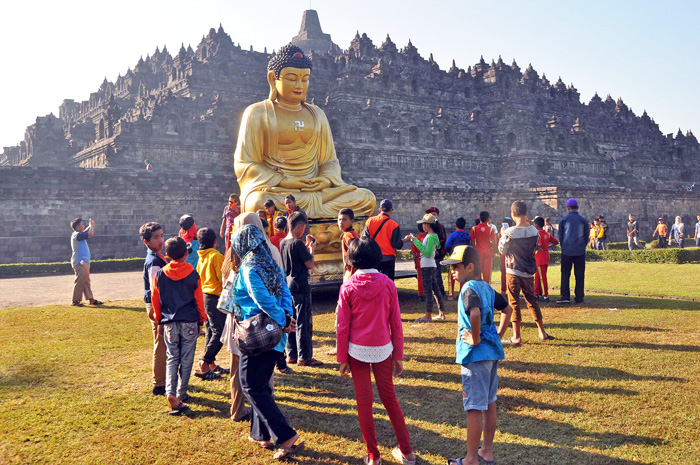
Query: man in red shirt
x=483, y=240
x=386, y=232
x=542, y=259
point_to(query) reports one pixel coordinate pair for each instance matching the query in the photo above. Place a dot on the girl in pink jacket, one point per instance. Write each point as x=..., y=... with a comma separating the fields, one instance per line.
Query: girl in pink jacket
x=370, y=336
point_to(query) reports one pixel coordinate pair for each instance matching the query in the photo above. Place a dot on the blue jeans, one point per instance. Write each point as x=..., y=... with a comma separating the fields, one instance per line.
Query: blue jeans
x=180, y=343
x=299, y=343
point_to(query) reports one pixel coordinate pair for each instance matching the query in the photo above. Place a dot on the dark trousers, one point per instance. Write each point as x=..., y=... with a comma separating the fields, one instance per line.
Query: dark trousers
x=387, y=266
x=663, y=242
x=438, y=274
x=267, y=421
x=430, y=287
x=579, y=263
x=299, y=343
x=214, y=327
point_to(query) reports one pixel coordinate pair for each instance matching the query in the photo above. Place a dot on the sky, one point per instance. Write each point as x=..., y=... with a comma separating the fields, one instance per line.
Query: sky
x=643, y=51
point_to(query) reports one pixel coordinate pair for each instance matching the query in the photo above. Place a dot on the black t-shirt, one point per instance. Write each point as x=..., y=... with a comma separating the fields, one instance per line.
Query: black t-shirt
x=471, y=299
x=294, y=257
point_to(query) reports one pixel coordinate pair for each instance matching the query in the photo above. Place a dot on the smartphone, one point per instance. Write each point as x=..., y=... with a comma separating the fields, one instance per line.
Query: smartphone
x=505, y=225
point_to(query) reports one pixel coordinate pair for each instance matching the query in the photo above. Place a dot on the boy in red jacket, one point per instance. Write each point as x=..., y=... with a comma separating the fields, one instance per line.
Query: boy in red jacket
x=542, y=259
x=178, y=305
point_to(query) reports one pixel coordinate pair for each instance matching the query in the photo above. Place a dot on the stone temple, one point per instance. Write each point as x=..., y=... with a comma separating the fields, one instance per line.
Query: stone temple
x=463, y=139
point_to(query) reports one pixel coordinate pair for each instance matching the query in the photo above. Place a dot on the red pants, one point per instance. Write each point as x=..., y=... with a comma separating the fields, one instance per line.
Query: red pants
x=416, y=262
x=539, y=288
x=486, y=259
x=504, y=288
x=364, y=396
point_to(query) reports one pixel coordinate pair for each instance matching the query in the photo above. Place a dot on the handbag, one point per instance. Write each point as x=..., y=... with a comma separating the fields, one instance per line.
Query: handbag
x=257, y=334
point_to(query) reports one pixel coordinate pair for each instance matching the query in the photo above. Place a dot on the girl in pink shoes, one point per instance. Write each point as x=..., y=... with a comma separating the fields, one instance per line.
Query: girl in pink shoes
x=370, y=337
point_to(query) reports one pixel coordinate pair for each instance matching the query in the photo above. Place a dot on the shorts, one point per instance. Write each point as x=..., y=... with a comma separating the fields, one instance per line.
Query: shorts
x=479, y=384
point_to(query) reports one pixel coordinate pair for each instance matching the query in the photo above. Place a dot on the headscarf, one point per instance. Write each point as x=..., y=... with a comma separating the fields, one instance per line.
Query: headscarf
x=188, y=232
x=250, y=244
x=254, y=219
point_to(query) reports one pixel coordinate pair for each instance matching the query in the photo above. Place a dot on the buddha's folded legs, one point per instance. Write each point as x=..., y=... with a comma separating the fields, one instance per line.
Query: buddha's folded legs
x=323, y=204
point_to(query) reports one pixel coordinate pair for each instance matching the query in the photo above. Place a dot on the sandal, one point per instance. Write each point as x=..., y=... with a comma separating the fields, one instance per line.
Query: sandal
x=208, y=375
x=287, y=371
x=288, y=451
x=457, y=461
x=222, y=371
x=77, y=304
x=96, y=302
x=264, y=444
x=185, y=398
x=484, y=461
x=291, y=360
x=179, y=410
x=547, y=337
x=510, y=342
x=422, y=320
x=310, y=363
x=398, y=455
x=365, y=460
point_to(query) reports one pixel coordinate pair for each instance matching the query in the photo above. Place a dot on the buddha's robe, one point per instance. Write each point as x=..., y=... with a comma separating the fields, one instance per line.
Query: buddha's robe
x=261, y=163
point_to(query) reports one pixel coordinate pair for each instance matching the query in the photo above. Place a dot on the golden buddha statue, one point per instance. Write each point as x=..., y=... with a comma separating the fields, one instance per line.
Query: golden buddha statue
x=285, y=146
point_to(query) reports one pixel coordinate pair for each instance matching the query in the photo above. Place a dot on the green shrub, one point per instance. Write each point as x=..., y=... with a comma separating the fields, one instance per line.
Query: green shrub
x=97, y=266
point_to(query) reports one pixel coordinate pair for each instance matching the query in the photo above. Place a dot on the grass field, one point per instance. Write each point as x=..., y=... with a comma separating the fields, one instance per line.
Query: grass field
x=616, y=387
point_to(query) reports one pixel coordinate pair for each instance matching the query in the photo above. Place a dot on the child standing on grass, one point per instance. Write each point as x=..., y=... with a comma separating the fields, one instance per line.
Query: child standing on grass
x=457, y=237
x=428, y=267
x=542, y=259
x=179, y=307
x=152, y=236
x=478, y=351
x=370, y=337
x=416, y=263
x=484, y=239
x=188, y=231
x=346, y=219
x=209, y=270
x=518, y=244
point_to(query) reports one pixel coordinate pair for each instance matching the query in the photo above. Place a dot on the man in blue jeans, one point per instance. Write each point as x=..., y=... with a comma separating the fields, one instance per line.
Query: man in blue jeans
x=573, y=236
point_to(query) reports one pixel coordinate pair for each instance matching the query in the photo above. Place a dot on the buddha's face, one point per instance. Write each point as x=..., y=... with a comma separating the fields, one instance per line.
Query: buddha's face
x=292, y=85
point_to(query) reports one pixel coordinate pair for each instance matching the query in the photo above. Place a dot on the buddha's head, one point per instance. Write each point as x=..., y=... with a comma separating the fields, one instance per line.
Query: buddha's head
x=288, y=75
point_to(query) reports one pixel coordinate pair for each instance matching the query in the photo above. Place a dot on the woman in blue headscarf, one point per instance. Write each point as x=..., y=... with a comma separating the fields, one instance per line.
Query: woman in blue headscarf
x=259, y=286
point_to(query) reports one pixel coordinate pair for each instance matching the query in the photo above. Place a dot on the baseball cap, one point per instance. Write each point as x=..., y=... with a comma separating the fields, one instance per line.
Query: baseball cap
x=427, y=218
x=433, y=210
x=571, y=203
x=457, y=256
x=385, y=205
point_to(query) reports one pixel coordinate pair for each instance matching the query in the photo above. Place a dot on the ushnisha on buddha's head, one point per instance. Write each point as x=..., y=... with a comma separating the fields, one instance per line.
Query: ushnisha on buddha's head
x=288, y=74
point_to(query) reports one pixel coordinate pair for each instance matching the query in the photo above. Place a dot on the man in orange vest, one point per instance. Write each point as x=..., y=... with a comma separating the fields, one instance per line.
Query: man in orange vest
x=385, y=232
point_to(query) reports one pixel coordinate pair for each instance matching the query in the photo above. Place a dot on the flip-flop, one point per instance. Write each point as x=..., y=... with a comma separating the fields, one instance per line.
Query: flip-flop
x=208, y=375
x=287, y=371
x=510, y=342
x=222, y=371
x=547, y=337
x=96, y=302
x=365, y=460
x=483, y=460
x=179, y=410
x=268, y=446
x=289, y=451
x=422, y=320
x=398, y=455
x=457, y=461
x=185, y=398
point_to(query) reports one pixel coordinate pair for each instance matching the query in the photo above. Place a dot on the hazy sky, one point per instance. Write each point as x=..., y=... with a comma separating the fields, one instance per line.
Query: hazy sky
x=643, y=51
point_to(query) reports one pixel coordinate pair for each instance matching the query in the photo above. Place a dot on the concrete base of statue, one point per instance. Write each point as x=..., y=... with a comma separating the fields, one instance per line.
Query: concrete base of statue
x=328, y=258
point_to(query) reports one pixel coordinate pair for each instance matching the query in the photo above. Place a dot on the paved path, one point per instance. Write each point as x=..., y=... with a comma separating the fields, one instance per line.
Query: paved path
x=58, y=289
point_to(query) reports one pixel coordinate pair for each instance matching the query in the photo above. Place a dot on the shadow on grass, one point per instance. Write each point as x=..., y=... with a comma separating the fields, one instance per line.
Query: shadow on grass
x=631, y=345
x=520, y=453
x=582, y=372
x=599, y=327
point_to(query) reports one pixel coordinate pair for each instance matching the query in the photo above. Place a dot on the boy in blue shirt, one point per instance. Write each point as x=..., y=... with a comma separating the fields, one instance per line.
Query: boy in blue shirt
x=478, y=351
x=151, y=234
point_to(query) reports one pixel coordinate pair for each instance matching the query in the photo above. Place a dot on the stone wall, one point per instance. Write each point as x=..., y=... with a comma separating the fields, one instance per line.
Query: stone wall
x=37, y=205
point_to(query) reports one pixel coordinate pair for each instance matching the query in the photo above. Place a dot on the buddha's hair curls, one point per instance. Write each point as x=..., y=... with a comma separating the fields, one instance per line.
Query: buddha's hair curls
x=289, y=56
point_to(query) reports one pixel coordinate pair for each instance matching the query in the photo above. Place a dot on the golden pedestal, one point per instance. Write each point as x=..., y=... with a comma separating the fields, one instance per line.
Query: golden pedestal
x=328, y=259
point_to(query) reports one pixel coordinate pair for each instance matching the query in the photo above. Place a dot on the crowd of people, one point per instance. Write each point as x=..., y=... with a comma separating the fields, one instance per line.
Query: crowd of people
x=192, y=289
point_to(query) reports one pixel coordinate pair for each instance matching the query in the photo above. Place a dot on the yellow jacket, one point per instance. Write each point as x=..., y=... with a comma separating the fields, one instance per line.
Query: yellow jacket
x=209, y=269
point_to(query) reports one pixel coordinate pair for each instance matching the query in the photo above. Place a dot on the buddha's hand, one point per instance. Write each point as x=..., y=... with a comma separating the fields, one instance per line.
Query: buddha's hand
x=294, y=183
x=316, y=184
